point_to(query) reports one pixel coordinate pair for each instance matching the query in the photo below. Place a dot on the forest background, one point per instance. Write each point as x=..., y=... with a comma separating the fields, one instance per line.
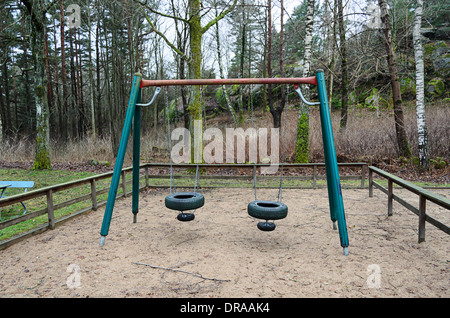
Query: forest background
x=66, y=69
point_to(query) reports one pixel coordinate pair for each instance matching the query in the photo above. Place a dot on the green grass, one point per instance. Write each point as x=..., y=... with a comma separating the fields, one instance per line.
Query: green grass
x=42, y=179
x=384, y=183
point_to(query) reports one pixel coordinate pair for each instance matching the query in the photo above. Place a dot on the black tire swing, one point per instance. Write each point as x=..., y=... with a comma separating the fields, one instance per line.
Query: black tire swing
x=263, y=209
x=181, y=201
x=267, y=210
x=184, y=201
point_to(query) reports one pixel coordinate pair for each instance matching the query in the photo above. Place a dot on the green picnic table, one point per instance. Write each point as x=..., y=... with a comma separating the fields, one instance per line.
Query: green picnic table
x=15, y=184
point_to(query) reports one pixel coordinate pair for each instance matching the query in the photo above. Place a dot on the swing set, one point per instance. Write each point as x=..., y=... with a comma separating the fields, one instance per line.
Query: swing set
x=187, y=201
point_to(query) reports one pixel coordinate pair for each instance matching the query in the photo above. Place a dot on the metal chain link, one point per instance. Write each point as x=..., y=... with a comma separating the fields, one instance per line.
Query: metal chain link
x=254, y=166
x=280, y=190
x=172, y=180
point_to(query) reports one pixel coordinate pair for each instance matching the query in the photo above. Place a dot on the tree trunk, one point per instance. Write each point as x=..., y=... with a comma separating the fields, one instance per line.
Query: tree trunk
x=57, y=95
x=195, y=71
x=73, y=85
x=402, y=140
x=113, y=90
x=273, y=110
x=97, y=65
x=196, y=33
x=8, y=119
x=91, y=79
x=79, y=71
x=344, y=80
x=283, y=87
x=64, y=128
x=243, y=37
x=130, y=39
x=2, y=115
x=29, y=125
x=422, y=133
x=224, y=88
x=302, y=144
x=51, y=108
x=16, y=115
x=39, y=77
x=182, y=39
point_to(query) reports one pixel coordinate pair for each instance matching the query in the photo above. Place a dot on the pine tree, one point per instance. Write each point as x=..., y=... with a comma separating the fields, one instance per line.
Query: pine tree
x=402, y=139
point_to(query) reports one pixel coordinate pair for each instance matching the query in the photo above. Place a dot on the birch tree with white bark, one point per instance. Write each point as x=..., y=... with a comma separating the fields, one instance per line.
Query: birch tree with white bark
x=221, y=72
x=422, y=134
x=302, y=145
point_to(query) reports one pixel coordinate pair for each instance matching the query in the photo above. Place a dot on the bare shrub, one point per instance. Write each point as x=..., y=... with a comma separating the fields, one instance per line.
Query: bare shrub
x=367, y=138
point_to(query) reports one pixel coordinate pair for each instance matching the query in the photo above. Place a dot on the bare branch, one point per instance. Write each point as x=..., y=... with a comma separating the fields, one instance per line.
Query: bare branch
x=219, y=17
x=145, y=5
x=181, y=271
x=154, y=29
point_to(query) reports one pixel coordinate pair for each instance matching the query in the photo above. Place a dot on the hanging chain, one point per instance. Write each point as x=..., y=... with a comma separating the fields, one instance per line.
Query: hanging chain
x=280, y=190
x=251, y=101
x=172, y=181
x=197, y=181
x=254, y=165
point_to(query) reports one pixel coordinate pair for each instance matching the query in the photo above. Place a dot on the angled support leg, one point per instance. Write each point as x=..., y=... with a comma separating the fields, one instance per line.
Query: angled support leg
x=333, y=182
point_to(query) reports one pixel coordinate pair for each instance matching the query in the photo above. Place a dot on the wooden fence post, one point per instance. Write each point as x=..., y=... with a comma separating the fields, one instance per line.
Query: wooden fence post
x=124, y=184
x=390, y=197
x=146, y=177
x=422, y=218
x=50, y=210
x=314, y=176
x=363, y=176
x=94, y=195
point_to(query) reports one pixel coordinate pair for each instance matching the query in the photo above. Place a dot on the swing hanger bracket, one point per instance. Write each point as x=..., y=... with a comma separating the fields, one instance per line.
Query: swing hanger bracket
x=158, y=89
x=299, y=91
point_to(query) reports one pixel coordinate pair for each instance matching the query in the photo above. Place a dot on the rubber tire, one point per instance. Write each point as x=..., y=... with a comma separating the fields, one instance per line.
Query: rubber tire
x=183, y=201
x=185, y=217
x=266, y=226
x=267, y=210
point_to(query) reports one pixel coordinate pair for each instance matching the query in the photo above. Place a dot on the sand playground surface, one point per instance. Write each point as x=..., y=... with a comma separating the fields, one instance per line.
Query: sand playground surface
x=222, y=253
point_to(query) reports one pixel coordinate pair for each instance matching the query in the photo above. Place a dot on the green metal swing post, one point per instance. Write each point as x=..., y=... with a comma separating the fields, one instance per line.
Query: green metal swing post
x=134, y=97
x=136, y=158
x=333, y=183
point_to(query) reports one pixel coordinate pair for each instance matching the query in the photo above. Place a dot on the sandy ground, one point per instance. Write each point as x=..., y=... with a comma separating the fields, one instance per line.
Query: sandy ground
x=223, y=254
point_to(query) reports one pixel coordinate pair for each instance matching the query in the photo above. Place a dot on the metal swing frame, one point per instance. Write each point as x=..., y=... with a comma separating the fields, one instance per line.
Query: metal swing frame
x=133, y=118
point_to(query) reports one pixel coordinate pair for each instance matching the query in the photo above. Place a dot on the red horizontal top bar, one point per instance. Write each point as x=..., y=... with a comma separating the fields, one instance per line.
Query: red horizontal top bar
x=230, y=81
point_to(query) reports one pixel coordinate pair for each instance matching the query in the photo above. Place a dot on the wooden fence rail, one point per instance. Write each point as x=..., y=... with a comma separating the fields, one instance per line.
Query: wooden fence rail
x=423, y=194
x=49, y=192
